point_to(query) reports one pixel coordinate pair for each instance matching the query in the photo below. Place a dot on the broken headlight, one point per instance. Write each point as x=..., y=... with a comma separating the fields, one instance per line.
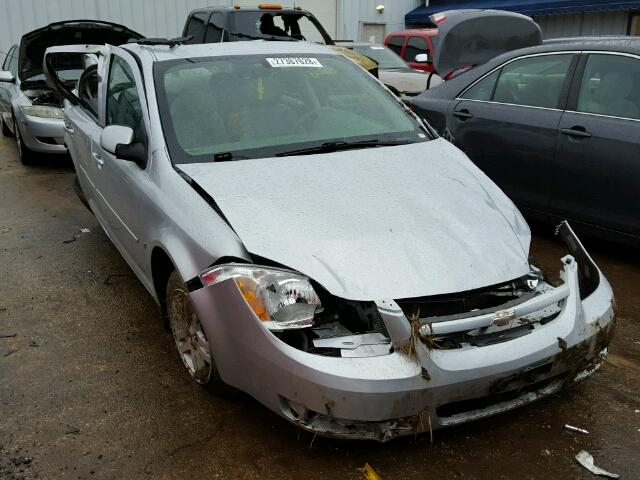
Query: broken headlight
x=281, y=299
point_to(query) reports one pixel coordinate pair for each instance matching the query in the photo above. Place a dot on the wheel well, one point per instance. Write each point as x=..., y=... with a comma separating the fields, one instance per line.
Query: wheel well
x=161, y=268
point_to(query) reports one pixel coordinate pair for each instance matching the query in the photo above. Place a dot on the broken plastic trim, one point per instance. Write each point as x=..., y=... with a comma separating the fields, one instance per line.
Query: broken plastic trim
x=588, y=273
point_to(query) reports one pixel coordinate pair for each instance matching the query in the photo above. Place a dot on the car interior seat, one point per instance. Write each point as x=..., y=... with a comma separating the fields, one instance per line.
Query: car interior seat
x=613, y=96
x=196, y=121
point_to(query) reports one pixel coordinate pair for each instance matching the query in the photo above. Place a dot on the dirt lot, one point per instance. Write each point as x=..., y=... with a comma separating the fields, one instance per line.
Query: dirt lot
x=90, y=385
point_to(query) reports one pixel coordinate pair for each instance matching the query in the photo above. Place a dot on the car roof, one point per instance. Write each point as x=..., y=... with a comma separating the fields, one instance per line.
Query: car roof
x=247, y=9
x=159, y=53
x=366, y=44
x=616, y=44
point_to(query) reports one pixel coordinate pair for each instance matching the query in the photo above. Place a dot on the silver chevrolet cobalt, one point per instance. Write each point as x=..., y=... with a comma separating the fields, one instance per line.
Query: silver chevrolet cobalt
x=313, y=243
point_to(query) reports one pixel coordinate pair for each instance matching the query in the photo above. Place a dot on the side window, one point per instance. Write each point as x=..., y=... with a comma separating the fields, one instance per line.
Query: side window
x=88, y=88
x=611, y=86
x=13, y=62
x=395, y=44
x=5, y=64
x=415, y=46
x=533, y=81
x=195, y=26
x=483, y=90
x=123, y=102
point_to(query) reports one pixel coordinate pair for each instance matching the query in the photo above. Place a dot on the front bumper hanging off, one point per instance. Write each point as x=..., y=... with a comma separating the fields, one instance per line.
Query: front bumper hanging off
x=416, y=387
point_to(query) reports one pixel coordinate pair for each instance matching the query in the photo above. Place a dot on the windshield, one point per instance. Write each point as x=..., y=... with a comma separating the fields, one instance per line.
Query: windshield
x=387, y=59
x=262, y=106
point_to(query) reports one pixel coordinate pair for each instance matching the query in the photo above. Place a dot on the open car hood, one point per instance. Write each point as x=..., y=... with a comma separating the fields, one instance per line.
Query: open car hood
x=473, y=37
x=73, y=32
x=377, y=223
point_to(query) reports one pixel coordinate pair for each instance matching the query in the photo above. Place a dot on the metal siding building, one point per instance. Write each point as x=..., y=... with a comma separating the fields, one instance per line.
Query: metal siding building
x=343, y=19
x=557, y=18
x=152, y=18
x=359, y=19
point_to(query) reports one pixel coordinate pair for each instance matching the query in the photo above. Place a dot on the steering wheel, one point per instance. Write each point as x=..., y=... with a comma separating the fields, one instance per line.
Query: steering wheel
x=311, y=116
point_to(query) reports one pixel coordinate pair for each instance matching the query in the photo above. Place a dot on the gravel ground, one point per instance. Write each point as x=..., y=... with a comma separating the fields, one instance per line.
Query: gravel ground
x=91, y=387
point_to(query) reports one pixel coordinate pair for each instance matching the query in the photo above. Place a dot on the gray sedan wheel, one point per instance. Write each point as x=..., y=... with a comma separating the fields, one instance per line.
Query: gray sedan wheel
x=190, y=339
x=5, y=129
x=26, y=155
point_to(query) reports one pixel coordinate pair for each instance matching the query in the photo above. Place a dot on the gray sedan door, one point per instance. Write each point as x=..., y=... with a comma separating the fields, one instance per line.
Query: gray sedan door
x=120, y=181
x=7, y=89
x=598, y=156
x=507, y=123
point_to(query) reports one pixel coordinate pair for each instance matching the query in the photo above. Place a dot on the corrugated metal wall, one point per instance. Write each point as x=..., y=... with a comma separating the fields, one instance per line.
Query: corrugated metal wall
x=589, y=24
x=152, y=18
x=343, y=19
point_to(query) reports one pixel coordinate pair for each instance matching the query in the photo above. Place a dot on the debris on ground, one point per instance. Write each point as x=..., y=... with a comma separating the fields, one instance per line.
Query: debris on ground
x=109, y=279
x=571, y=428
x=585, y=459
x=70, y=240
x=368, y=473
x=70, y=430
x=33, y=343
x=9, y=352
x=8, y=335
x=85, y=230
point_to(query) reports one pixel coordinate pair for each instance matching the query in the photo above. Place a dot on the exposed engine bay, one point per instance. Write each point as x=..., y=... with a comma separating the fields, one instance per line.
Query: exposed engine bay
x=44, y=96
x=345, y=328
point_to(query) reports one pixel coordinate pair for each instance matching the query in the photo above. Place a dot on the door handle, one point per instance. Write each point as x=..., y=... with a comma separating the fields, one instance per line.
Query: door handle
x=576, y=132
x=68, y=128
x=462, y=114
x=98, y=159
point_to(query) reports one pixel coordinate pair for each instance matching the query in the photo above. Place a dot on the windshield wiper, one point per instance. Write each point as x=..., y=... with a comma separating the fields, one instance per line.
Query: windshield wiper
x=264, y=37
x=329, y=147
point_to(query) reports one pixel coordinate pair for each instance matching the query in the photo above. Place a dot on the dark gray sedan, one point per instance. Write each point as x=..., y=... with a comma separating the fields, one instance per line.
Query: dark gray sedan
x=556, y=126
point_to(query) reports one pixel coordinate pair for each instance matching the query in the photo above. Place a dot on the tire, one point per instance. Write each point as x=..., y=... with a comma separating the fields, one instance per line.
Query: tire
x=27, y=156
x=190, y=339
x=5, y=129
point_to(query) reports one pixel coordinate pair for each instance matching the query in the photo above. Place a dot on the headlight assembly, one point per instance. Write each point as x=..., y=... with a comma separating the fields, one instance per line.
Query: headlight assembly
x=281, y=299
x=42, y=111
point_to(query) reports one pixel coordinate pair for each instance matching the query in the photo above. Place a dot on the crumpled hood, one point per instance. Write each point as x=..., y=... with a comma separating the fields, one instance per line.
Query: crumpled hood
x=377, y=223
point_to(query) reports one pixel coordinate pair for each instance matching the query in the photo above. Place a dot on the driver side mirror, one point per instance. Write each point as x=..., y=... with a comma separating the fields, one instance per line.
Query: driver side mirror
x=423, y=58
x=118, y=140
x=7, y=76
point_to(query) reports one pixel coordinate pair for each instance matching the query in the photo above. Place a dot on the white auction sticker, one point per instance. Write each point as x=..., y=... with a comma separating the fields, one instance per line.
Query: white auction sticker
x=294, y=62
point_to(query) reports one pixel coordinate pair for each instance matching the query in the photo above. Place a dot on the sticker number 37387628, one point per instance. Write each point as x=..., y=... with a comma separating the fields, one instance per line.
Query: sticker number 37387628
x=294, y=62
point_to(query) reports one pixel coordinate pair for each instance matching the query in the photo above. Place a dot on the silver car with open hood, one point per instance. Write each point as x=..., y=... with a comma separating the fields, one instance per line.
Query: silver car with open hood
x=312, y=243
x=29, y=110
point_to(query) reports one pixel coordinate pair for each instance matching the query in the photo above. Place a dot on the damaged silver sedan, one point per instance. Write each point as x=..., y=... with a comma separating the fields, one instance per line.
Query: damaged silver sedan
x=312, y=243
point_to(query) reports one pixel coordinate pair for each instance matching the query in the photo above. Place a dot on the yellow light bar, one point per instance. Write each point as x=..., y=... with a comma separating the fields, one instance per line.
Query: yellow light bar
x=270, y=6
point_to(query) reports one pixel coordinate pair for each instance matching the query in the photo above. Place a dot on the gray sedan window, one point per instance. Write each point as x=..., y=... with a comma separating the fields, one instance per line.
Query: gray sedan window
x=533, y=81
x=13, y=62
x=611, y=86
x=262, y=106
x=123, y=102
x=5, y=64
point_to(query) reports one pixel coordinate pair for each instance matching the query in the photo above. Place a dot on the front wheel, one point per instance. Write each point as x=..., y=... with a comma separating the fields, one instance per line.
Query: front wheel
x=25, y=153
x=191, y=341
x=5, y=128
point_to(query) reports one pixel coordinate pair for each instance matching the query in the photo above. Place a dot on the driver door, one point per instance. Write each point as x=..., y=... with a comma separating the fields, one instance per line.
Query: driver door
x=119, y=181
